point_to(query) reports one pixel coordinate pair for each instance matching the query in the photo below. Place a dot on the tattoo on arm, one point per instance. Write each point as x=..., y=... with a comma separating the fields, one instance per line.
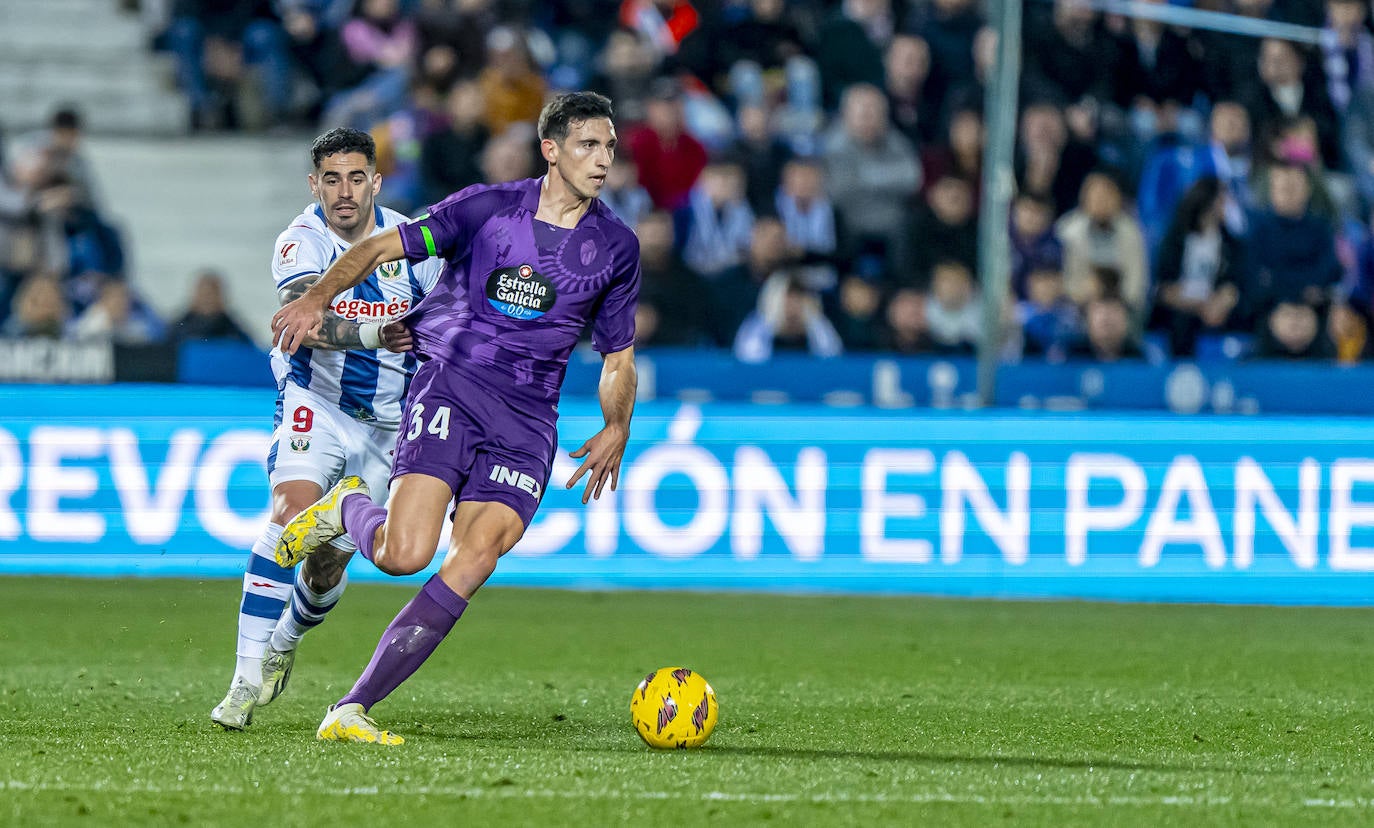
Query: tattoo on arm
x=337, y=333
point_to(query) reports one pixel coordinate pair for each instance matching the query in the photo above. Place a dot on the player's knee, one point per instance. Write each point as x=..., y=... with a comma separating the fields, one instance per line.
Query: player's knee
x=396, y=557
x=284, y=508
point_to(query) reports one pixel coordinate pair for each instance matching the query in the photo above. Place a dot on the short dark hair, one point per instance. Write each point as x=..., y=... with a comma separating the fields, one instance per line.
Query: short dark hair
x=343, y=140
x=574, y=107
x=66, y=118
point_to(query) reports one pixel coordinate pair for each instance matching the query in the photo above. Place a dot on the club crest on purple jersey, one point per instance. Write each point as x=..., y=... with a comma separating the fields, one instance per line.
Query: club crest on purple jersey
x=588, y=252
x=520, y=292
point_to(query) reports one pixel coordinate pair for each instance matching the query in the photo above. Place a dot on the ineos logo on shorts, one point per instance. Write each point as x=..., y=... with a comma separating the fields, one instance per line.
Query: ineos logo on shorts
x=520, y=292
x=519, y=480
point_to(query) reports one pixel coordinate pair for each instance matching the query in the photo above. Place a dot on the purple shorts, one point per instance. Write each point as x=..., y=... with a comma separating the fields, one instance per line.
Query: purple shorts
x=473, y=440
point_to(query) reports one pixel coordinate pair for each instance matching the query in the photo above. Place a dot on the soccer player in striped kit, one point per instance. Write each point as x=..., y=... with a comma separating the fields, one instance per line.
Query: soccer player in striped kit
x=339, y=402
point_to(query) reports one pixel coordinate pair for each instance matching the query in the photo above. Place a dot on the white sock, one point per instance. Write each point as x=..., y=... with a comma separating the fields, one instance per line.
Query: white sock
x=307, y=609
x=266, y=589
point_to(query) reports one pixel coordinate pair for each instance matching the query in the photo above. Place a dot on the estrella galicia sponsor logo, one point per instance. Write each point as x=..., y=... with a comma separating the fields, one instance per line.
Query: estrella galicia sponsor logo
x=520, y=292
x=300, y=444
x=519, y=480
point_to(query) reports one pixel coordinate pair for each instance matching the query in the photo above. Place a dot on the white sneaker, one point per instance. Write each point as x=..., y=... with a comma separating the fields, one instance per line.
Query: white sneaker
x=236, y=711
x=276, y=672
x=317, y=524
x=350, y=723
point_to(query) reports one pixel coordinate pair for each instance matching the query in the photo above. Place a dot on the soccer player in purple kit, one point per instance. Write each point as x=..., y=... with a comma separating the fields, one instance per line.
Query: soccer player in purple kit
x=527, y=265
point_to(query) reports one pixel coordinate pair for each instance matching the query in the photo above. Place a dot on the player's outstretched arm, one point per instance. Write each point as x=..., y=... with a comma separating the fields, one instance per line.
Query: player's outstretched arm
x=303, y=318
x=339, y=334
x=604, y=451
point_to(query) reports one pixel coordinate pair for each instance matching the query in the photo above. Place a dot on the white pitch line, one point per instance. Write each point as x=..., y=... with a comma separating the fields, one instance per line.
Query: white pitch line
x=516, y=792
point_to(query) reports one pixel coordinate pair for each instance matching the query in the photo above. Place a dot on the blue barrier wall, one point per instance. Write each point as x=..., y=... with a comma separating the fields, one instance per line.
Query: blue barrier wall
x=170, y=481
x=1212, y=386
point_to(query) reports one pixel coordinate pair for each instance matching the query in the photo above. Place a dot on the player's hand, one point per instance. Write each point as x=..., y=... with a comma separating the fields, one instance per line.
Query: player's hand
x=396, y=337
x=603, y=453
x=298, y=320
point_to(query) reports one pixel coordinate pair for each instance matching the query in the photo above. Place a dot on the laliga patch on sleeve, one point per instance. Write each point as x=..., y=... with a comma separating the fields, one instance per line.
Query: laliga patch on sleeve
x=286, y=254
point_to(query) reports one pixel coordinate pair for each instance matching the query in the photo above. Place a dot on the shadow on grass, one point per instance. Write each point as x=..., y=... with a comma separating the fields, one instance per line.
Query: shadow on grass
x=935, y=757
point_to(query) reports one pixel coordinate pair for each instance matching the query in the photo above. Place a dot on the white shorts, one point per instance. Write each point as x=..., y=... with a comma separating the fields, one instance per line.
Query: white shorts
x=316, y=441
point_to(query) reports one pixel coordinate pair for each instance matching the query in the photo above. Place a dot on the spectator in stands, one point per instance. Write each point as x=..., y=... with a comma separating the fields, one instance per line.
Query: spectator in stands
x=1294, y=141
x=117, y=317
x=1061, y=50
x=1292, y=330
x=1108, y=333
x=953, y=314
x=383, y=40
x=1347, y=49
x=39, y=309
x=716, y=224
x=1348, y=333
x=214, y=42
x=850, y=47
x=788, y=319
x=453, y=35
x=1049, y=163
x=508, y=157
x=1049, y=322
x=856, y=315
x=1292, y=251
x=1229, y=60
x=1284, y=92
x=1101, y=234
x=625, y=73
x=959, y=154
x=734, y=293
x=915, y=112
x=944, y=228
x=967, y=92
x=400, y=138
x=873, y=173
x=1200, y=266
x=906, y=331
x=734, y=52
x=314, y=36
x=1160, y=75
x=1172, y=166
x=672, y=300
x=623, y=193
x=950, y=27
x=813, y=224
x=762, y=154
x=1033, y=242
x=511, y=84
x=449, y=157
x=669, y=158
x=207, y=317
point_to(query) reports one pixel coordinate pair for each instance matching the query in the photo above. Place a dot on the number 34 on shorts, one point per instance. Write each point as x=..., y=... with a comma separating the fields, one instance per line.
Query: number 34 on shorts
x=436, y=423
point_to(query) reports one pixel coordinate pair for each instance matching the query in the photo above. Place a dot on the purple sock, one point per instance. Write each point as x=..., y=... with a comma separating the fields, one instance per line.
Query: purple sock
x=361, y=517
x=408, y=641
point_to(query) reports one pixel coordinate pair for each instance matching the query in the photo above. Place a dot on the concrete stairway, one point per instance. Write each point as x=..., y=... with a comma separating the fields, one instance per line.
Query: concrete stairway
x=88, y=53
x=215, y=201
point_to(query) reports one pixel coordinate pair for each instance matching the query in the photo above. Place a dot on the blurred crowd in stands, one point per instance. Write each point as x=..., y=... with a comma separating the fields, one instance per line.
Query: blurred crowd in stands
x=62, y=264
x=806, y=175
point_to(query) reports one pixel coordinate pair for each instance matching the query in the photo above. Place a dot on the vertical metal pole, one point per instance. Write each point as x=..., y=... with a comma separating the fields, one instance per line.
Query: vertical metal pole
x=994, y=253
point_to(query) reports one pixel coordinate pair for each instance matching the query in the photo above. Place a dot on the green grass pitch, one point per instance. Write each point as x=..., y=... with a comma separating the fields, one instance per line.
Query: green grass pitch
x=834, y=711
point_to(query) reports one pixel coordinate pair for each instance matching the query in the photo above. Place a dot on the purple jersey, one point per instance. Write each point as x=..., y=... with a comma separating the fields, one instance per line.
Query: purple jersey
x=515, y=293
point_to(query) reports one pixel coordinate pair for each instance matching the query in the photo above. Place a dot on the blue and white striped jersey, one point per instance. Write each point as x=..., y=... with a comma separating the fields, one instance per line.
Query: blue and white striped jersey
x=366, y=385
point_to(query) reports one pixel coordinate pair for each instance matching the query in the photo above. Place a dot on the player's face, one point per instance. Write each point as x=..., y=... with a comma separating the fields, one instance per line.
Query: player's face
x=583, y=159
x=345, y=186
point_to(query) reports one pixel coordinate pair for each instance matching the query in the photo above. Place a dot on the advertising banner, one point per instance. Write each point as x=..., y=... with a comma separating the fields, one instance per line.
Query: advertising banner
x=147, y=480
